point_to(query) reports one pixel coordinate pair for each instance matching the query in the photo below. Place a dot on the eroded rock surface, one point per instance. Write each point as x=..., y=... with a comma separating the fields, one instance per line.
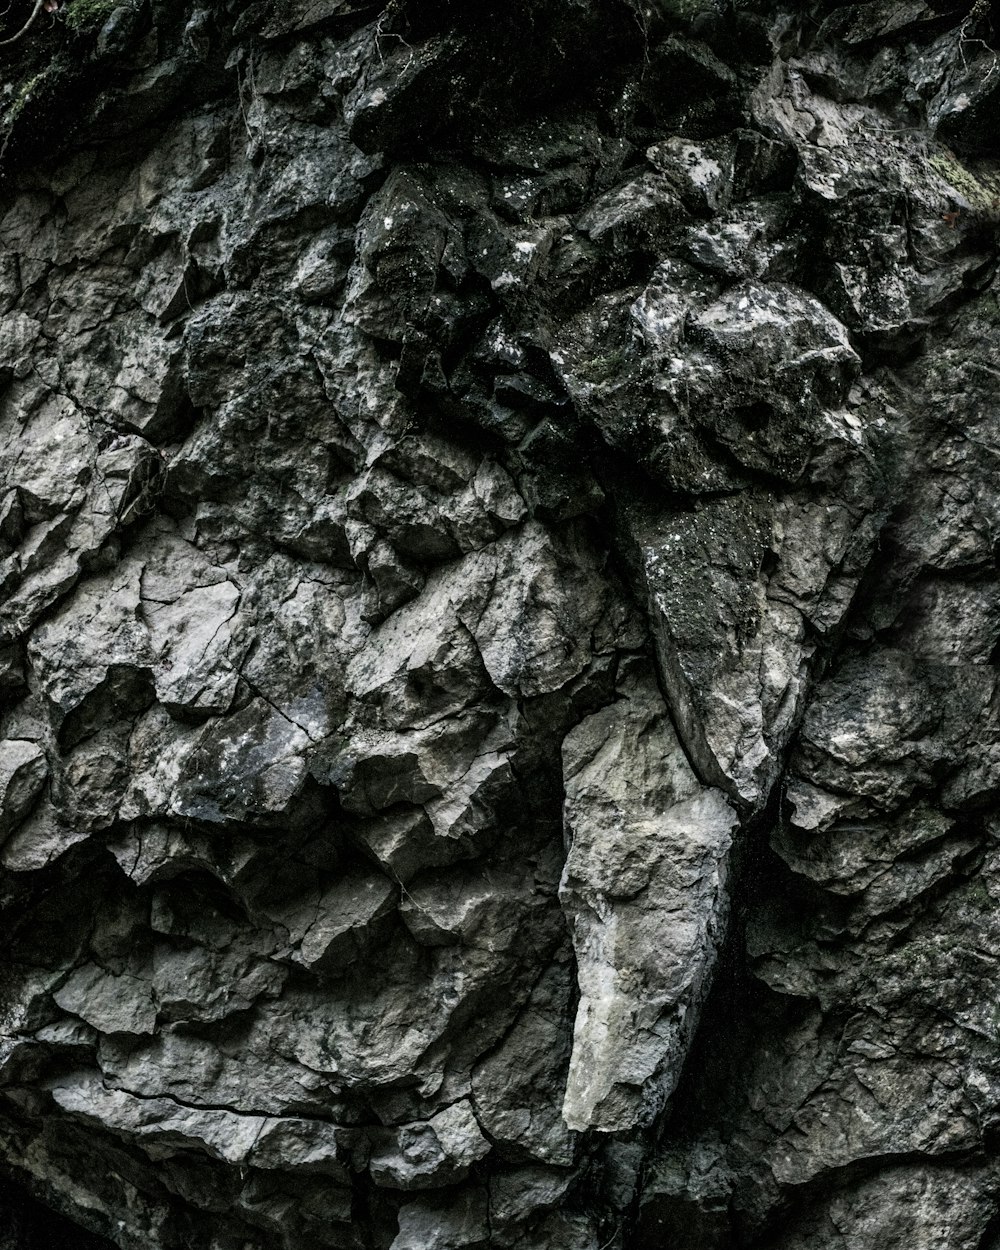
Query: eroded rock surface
x=499, y=733
x=645, y=890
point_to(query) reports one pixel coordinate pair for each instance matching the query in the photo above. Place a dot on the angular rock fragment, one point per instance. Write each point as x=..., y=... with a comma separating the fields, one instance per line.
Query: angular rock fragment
x=109, y=1002
x=23, y=770
x=645, y=892
x=518, y=1090
x=444, y=1225
x=429, y=1155
x=331, y=929
x=739, y=590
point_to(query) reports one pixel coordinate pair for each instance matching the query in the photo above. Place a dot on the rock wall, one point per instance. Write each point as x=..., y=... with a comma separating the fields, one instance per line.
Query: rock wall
x=499, y=622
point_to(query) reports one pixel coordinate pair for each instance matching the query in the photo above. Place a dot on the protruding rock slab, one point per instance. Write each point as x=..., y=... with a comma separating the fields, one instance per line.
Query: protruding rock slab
x=644, y=889
x=740, y=589
x=23, y=770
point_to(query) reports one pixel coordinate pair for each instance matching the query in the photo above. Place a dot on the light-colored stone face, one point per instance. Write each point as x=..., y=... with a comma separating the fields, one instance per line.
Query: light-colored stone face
x=645, y=892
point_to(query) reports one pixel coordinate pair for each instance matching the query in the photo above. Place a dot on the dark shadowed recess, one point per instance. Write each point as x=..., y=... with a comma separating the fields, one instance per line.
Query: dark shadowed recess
x=26, y=1225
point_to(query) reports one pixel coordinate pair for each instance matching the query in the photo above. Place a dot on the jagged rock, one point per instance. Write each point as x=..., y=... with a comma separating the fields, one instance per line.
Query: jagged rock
x=735, y=653
x=442, y=1225
x=645, y=891
x=499, y=621
x=437, y=1152
x=518, y=1089
x=687, y=1197
x=896, y=1206
x=334, y=927
x=23, y=770
x=110, y=1002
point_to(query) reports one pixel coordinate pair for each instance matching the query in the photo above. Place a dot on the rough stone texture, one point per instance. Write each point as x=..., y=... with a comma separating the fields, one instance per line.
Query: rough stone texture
x=499, y=625
x=645, y=890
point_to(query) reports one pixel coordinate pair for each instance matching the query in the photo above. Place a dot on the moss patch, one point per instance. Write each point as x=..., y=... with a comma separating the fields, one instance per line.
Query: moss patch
x=87, y=14
x=980, y=189
x=600, y=369
x=22, y=94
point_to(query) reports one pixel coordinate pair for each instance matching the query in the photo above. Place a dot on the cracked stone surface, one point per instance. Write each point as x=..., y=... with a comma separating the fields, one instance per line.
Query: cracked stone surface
x=499, y=625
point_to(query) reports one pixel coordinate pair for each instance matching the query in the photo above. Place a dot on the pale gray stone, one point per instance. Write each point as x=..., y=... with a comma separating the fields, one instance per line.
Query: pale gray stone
x=23, y=770
x=646, y=893
x=437, y=1152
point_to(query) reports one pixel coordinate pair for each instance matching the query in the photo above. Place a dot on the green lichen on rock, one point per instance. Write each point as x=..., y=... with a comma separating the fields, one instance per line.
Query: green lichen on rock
x=601, y=369
x=88, y=14
x=682, y=10
x=23, y=93
x=980, y=189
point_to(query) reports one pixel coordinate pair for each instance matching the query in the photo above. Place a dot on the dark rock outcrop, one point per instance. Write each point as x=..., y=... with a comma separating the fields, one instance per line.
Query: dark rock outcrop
x=498, y=645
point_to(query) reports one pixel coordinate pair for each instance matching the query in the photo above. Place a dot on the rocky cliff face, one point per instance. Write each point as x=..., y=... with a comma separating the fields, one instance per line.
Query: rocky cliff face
x=500, y=599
